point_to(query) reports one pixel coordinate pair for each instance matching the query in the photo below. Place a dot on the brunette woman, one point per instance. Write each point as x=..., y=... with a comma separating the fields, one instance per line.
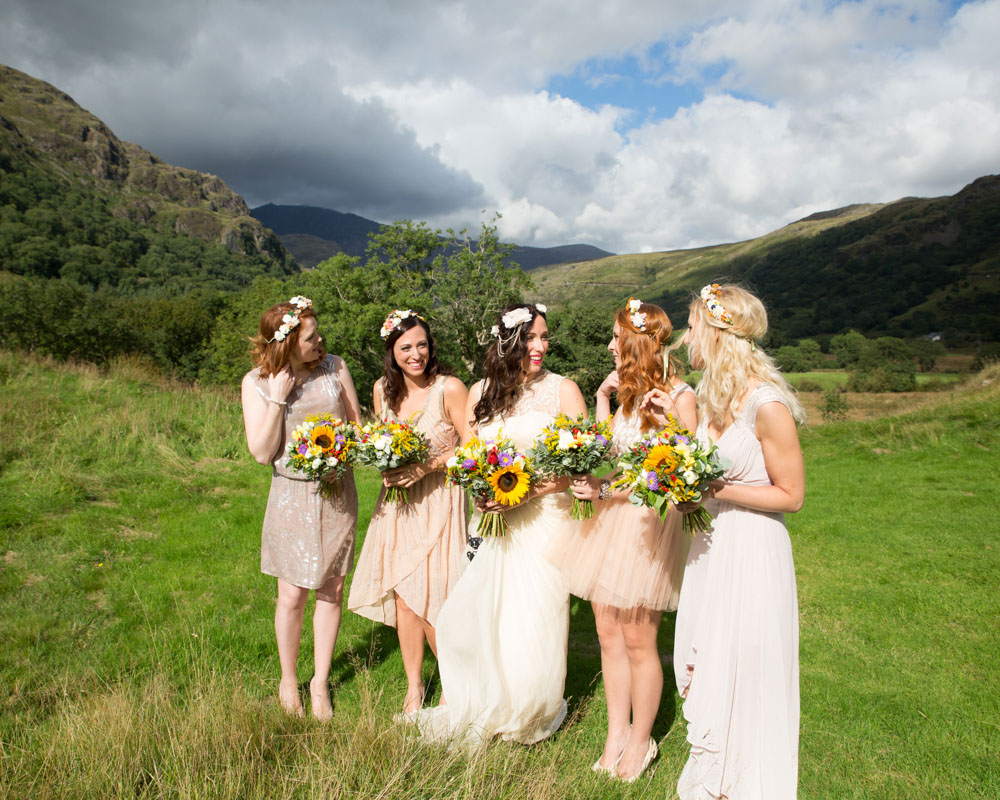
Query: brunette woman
x=308, y=539
x=413, y=552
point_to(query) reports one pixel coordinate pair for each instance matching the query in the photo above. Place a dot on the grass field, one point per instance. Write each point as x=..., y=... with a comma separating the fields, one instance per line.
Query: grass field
x=138, y=650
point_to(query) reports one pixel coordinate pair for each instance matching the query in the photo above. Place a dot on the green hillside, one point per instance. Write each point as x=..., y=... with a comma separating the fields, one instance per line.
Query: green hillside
x=76, y=202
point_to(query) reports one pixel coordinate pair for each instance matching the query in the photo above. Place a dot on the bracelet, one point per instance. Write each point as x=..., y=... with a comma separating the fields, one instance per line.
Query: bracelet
x=277, y=402
x=605, y=489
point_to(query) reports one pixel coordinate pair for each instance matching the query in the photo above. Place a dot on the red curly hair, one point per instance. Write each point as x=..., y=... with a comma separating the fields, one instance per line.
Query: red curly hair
x=272, y=356
x=641, y=354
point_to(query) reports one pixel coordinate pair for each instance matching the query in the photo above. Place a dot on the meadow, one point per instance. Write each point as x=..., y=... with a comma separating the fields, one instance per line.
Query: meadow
x=138, y=656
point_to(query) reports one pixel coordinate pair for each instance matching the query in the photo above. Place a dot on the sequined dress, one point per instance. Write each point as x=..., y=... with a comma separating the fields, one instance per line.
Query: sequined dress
x=308, y=539
x=625, y=556
x=736, y=645
x=502, y=632
x=415, y=549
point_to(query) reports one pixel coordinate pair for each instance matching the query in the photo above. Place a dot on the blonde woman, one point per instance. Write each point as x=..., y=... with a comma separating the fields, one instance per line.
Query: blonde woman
x=626, y=560
x=307, y=541
x=736, y=650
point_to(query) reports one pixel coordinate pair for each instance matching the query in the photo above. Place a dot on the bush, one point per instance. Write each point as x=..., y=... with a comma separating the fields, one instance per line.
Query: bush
x=807, y=385
x=885, y=365
x=988, y=354
x=847, y=347
x=834, y=407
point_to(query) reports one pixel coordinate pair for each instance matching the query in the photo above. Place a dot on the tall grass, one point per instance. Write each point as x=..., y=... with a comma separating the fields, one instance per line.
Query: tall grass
x=138, y=650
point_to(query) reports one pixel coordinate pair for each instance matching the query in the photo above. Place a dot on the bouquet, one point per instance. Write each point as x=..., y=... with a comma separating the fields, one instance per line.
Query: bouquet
x=322, y=448
x=671, y=466
x=568, y=447
x=491, y=469
x=386, y=445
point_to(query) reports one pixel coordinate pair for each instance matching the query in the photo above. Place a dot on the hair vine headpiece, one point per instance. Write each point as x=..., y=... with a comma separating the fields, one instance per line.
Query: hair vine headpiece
x=711, y=296
x=512, y=322
x=393, y=320
x=638, y=317
x=290, y=322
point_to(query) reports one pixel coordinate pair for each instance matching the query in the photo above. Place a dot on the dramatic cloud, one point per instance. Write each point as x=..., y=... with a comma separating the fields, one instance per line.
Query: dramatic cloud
x=438, y=110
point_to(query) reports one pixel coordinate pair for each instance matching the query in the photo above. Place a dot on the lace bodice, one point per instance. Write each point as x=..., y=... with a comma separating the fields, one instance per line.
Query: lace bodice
x=536, y=406
x=628, y=428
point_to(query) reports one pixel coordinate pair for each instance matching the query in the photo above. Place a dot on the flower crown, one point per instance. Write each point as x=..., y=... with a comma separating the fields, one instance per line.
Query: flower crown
x=393, y=320
x=290, y=322
x=638, y=318
x=711, y=296
x=512, y=322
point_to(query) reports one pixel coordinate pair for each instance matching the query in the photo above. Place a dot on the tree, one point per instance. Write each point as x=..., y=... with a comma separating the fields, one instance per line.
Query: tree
x=885, y=365
x=847, y=347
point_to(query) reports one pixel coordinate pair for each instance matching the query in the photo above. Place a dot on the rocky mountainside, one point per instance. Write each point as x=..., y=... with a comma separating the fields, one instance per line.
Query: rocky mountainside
x=45, y=133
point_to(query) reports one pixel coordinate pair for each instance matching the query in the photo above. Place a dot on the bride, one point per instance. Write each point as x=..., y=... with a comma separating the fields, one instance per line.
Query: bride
x=502, y=631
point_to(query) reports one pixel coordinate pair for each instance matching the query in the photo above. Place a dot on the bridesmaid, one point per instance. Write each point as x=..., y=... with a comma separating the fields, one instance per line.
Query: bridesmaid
x=307, y=540
x=627, y=561
x=412, y=553
x=737, y=638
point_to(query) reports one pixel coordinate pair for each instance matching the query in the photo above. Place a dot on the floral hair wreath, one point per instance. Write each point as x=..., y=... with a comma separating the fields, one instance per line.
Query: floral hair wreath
x=290, y=322
x=512, y=322
x=393, y=320
x=711, y=296
x=638, y=317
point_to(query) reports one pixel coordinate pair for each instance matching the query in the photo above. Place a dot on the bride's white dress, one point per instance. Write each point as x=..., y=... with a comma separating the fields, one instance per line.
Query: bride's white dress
x=502, y=631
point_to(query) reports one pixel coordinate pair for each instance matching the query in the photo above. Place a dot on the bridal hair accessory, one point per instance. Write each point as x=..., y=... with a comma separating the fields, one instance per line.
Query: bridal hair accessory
x=634, y=314
x=290, y=322
x=512, y=322
x=393, y=320
x=710, y=296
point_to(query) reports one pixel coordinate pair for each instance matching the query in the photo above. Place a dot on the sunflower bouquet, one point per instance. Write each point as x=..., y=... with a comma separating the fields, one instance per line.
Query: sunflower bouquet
x=491, y=469
x=387, y=445
x=322, y=448
x=572, y=447
x=671, y=466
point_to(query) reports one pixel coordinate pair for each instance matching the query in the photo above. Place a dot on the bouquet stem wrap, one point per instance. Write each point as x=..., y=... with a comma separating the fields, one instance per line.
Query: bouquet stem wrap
x=491, y=469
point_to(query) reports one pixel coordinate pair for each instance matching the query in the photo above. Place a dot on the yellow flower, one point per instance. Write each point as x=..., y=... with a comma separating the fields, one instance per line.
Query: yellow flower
x=322, y=437
x=510, y=484
x=660, y=458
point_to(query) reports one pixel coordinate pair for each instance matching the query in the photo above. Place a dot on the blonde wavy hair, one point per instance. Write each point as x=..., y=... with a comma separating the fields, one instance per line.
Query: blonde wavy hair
x=731, y=358
x=641, y=356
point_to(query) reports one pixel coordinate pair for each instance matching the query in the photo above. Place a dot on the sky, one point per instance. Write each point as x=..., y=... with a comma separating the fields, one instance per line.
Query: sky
x=632, y=125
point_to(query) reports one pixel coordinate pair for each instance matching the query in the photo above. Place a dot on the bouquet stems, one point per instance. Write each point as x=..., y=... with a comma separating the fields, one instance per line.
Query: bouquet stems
x=328, y=489
x=697, y=521
x=582, y=509
x=397, y=495
x=492, y=523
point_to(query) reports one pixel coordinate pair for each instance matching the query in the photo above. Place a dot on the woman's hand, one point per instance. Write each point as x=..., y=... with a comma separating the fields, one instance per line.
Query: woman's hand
x=713, y=488
x=280, y=384
x=404, y=477
x=609, y=385
x=659, y=404
x=585, y=487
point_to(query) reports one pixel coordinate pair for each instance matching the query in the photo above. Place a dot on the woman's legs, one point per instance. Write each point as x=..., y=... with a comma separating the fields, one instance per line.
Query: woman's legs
x=326, y=626
x=639, y=634
x=288, y=630
x=413, y=631
x=617, y=681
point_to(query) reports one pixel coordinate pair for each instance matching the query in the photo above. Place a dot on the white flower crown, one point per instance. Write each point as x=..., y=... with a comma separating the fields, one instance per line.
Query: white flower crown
x=512, y=321
x=638, y=318
x=290, y=322
x=393, y=320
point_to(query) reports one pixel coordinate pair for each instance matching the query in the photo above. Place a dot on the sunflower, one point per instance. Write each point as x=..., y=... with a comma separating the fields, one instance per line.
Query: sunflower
x=322, y=436
x=660, y=458
x=510, y=484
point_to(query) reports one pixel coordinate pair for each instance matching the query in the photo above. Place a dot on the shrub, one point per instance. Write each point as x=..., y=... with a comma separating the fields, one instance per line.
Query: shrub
x=885, y=365
x=834, y=406
x=988, y=354
x=807, y=385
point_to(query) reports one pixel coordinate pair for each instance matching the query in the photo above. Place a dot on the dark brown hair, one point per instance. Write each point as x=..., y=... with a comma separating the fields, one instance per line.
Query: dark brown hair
x=268, y=353
x=502, y=373
x=393, y=384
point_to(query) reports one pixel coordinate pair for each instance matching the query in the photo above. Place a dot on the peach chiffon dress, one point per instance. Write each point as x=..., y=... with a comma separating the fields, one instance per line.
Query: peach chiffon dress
x=736, y=644
x=415, y=549
x=625, y=556
x=308, y=539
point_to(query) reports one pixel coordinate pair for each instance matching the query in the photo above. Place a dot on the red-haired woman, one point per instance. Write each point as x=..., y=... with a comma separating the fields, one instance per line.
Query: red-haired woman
x=625, y=560
x=413, y=553
x=308, y=540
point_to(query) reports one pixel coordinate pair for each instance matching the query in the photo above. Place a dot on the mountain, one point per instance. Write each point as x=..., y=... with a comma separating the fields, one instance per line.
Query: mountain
x=906, y=268
x=313, y=234
x=69, y=183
